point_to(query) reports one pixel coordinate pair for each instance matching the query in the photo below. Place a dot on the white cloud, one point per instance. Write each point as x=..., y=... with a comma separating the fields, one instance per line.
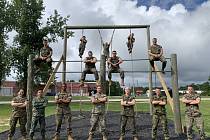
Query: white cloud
x=179, y=31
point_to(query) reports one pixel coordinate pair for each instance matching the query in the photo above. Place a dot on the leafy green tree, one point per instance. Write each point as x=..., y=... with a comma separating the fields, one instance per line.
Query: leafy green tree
x=28, y=15
x=5, y=27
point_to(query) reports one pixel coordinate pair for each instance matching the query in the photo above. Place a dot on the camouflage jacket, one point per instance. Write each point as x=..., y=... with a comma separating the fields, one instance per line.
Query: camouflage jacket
x=39, y=104
x=63, y=108
x=127, y=110
x=90, y=65
x=45, y=51
x=155, y=49
x=115, y=61
x=159, y=109
x=192, y=110
x=98, y=108
x=17, y=111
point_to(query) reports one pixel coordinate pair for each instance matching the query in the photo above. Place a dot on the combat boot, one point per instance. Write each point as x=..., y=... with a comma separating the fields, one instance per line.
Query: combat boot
x=135, y=138
x=110, y=82
x=70, y=137
x=104, y=137
x=81, y=83
x=97, y=82
x=90, y=137
x=57, y=137
x=121, y=138
x=24, y=138
x=43, y=137
x=122, y=82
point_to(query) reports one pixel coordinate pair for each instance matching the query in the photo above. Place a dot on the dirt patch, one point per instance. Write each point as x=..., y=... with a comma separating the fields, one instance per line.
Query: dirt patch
x=80, y=127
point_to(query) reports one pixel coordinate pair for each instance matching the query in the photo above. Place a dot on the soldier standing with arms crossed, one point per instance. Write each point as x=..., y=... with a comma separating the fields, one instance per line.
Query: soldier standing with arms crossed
x=63, y=99
x=18, y=114
x=127, y=113
x=39, y=103
x=98, y=113
x=193, y=114
x=159, y=114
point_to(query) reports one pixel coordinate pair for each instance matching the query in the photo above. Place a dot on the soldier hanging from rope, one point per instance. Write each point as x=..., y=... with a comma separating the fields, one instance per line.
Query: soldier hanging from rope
x=106, y=46
x=82, y=46
x=130, y=42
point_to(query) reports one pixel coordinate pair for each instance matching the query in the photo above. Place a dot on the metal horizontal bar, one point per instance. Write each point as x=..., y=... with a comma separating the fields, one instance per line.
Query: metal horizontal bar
x=138, y=59
x=113, y=72
x=106, y=26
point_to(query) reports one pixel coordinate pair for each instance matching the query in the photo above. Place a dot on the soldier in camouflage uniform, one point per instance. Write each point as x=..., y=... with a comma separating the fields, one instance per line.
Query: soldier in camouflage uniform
x=159, y=114
x=63, y=99
x=106, y=46
x=98, y=113
x=114, y=63
x=156, y=54
x=38, y=114
x=192, y=113
x=90, y=67
x=127, y=113
x=45, y=55
x=18, y=114
x=130, y=42
x=82, y=45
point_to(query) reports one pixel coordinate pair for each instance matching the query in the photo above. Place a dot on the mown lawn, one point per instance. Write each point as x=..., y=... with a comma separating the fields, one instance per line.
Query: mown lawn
x=113, y=106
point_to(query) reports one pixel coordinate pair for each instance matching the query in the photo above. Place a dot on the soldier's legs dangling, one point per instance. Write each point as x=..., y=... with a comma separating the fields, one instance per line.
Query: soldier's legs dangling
x=152, y=63
x=155, y=121
x=122, y=76
x=189, y=124
x=59, y=118
x=95, y=72
x=22, y=122
x=165, y=126
x=13, y=122
x=94, y=123
x=200, y=126
x=34, y=122
x=123, y=122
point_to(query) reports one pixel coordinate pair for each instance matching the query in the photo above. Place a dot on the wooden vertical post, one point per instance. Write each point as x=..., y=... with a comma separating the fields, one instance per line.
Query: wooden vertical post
x=103, y=72
x=150, y=69
x=29, y=92
x=174, y=81
x=64, y=55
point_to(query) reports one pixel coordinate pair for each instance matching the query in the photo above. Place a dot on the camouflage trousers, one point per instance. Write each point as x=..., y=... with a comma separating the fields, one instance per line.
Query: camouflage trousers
x=156, y=118
x=199, y=124
x=124, y=121
x=115, y=70
x=89, y=70
x=67, y=120
x=13, y=121
x=34, y=122
x=97, y=120
x=81, y=49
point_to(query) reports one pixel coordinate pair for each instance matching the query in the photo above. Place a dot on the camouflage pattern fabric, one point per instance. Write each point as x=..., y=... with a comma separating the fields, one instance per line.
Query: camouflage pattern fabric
x=45, y=51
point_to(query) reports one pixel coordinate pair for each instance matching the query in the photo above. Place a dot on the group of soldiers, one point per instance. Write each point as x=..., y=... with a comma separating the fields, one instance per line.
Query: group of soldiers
x=63, y=112
x=63, y=99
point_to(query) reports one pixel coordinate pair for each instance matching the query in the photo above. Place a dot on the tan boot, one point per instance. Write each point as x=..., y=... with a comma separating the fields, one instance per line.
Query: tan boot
x=97, y=83
x=57, y=137
x=81, y=83
x=90, y=137
x=104, y=137
x=24, y=138
x=135, y=138
x=121, y=138
x=70, y=137
x=9, y=138
x=110, y=82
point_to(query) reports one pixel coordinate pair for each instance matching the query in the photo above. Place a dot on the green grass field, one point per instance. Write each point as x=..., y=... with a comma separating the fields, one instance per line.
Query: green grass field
x=114, y=106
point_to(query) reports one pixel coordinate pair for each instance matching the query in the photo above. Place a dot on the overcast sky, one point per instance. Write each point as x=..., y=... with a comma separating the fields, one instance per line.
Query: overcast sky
x=182, y=27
